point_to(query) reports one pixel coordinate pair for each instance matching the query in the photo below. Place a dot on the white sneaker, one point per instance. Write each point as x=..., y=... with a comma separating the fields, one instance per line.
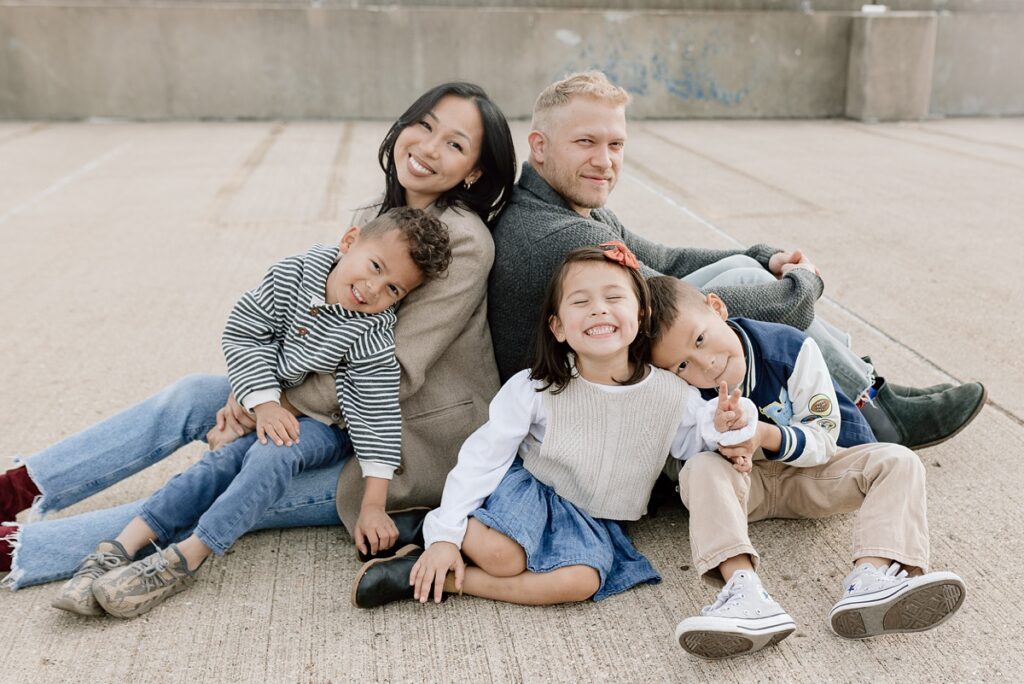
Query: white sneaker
x=888, y=602
x=743, y=619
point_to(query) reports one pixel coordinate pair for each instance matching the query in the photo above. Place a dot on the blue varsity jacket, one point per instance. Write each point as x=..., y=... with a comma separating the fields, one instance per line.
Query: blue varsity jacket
x=788, y=381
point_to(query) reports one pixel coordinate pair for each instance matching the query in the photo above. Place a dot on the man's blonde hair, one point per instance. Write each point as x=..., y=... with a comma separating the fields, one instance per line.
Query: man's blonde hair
x=593, y=84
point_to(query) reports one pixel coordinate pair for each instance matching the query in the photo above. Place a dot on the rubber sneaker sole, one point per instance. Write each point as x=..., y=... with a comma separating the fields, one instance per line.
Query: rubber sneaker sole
x=715, y=638
x=911, y=607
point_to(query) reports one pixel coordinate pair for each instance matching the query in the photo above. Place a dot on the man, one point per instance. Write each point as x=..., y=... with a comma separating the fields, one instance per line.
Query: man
x=576, y=153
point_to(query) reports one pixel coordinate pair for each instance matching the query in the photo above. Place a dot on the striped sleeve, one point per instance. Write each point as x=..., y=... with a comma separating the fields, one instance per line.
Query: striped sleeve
x=368, y=394
x=252, y=333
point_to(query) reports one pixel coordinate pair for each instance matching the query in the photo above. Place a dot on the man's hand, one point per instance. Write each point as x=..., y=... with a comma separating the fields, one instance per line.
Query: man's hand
x=375, y=530
x=729, y=414
x=277, y=423
x=782, y=263
x=432, y=567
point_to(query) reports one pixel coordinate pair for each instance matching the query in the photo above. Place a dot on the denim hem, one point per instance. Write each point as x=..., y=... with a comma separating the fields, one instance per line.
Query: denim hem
x=16, y=573
x=38, y=510
x=161, y=533
x=215, y=546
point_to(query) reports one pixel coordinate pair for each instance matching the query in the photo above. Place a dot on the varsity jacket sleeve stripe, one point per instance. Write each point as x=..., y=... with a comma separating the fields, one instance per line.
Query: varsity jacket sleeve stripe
x=367, y=389
x=810, y=439
x=251, y=336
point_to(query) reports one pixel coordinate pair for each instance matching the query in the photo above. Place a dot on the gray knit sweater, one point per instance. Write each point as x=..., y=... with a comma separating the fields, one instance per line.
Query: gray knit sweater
x=538, y=228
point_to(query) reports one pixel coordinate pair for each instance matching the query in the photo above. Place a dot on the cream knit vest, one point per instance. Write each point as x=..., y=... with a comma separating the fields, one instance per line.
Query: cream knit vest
x=602, y=451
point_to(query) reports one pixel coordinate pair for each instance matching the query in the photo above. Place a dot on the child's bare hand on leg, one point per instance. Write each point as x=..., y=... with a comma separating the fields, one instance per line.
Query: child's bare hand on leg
x=277, y=423
x=433, y=567
x=375, y=530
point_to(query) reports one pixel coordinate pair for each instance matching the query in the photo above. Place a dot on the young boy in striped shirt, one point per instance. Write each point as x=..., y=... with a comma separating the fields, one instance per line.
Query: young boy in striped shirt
x=330, y=310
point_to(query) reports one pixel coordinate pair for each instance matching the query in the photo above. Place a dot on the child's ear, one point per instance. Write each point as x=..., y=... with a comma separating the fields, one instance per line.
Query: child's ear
x=718, y=306
x=555, y=326
x=348, y=239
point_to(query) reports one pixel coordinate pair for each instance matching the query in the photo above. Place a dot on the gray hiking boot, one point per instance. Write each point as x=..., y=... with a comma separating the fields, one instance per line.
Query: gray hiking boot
x=76, y=594
x=141, y=586
x=887, y=601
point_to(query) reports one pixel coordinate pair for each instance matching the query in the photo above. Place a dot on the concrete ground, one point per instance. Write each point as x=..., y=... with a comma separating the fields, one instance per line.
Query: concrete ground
x=124, y=245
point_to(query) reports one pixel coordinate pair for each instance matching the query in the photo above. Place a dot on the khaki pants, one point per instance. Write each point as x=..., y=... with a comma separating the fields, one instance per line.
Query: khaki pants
x=886, y=482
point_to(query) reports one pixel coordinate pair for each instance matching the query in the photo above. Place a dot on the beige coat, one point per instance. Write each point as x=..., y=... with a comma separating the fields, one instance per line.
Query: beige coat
x=448, y=372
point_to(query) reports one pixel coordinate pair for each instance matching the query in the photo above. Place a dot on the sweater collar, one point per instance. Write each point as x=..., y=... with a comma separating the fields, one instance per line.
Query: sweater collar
x=534, y=183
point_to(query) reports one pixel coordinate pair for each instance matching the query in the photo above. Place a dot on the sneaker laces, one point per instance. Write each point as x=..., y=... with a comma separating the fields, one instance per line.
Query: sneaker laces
x=151, y=569
x=724, y=596
x=875, y=576
x=99, y=563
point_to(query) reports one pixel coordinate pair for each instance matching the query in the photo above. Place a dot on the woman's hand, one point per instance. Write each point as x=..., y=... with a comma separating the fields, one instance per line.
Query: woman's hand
x=233, y=421
x=432, y=568
x=375, y=530
x=277, y=423
x=235, y=418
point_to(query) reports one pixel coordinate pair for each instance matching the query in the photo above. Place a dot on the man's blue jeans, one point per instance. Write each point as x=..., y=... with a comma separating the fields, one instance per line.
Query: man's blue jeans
x=122, y=445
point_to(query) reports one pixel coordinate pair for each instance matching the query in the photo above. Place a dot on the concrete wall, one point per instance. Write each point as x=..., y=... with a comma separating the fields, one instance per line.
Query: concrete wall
x=183, y=60
x=979, y=65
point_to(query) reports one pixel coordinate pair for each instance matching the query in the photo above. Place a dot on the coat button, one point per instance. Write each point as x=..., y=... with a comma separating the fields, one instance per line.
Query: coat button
x=336, y=416
x=301, y=332
x=399, y=470
x=313, y=311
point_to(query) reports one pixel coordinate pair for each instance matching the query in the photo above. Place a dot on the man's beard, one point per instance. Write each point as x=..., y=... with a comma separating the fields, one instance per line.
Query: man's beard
x=572, y=188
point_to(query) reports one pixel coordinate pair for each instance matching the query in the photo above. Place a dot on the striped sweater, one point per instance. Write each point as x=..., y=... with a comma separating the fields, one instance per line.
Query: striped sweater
x=283, y=330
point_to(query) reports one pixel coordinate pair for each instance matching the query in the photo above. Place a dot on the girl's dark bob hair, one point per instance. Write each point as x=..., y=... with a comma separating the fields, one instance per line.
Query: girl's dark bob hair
x=552, y=362
x=488, y=195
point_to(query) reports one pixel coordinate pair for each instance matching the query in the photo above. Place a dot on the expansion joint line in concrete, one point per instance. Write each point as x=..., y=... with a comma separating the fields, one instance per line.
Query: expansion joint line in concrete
x=671, y=201
x=62, y=183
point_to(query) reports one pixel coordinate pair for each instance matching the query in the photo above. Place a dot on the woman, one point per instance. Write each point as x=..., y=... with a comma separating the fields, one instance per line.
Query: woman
x=451, y=152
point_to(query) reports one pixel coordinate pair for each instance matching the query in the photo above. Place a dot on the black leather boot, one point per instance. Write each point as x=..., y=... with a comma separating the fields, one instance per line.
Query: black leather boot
x=385, y=580
x=409, y=522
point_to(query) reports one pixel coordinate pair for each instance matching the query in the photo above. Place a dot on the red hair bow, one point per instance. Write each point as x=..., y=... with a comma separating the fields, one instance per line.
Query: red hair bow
x=620, y=254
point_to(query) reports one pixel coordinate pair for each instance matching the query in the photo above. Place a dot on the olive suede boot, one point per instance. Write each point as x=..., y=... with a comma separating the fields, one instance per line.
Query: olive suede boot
x=924, y=420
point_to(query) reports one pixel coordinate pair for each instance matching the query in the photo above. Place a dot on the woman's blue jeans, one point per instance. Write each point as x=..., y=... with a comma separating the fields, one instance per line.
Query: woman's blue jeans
x=124, y=444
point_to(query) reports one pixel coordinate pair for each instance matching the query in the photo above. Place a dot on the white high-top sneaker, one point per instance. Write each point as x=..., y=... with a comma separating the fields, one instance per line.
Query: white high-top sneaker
x=887, y=601
x=743, y=619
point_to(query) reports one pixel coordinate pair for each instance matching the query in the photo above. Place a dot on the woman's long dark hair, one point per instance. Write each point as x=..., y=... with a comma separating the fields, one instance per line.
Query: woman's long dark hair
x=551, y=358
x=488, y=195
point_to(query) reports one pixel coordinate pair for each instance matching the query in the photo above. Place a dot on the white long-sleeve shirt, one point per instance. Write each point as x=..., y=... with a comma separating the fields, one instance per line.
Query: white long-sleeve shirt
x=517, y=422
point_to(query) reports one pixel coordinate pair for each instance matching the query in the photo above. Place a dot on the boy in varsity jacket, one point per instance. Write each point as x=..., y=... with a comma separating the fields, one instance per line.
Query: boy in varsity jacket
x=812, y=456
x=329, y=311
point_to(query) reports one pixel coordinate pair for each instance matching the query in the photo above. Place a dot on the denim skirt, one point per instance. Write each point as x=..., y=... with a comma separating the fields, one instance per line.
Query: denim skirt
x=555, y=533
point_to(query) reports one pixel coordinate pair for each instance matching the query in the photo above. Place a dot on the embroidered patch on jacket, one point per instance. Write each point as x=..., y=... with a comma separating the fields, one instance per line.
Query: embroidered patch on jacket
x=820, y=405
x=826, y=424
